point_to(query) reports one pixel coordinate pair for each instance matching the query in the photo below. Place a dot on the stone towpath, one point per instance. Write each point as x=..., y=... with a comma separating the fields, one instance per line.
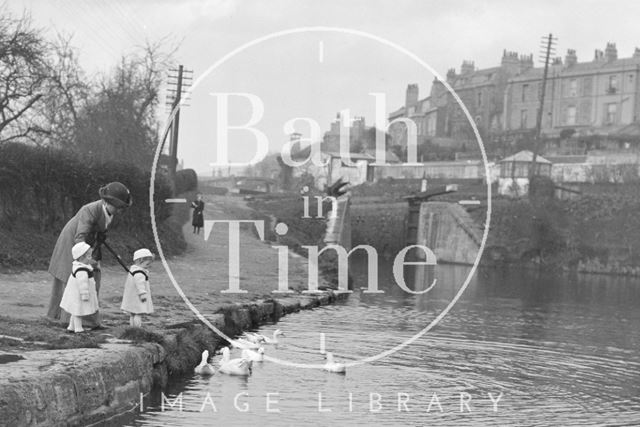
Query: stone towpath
x=80, y=386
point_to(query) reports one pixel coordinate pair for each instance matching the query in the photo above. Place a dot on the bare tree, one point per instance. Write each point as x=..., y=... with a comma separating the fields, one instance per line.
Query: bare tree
x=23, y=71
x=119, y=120
x=65, y=93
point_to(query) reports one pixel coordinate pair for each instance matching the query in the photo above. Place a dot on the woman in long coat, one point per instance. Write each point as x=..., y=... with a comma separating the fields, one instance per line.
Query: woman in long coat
x=198, y=213
x=89, y=225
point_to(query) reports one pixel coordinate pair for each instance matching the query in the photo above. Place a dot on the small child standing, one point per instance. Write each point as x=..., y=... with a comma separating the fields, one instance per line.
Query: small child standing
x=136, y=299
x=80, y=297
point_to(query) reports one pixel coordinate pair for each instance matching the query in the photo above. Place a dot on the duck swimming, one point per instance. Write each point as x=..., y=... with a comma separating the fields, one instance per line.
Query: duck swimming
x=333, y=366
x=253, y=337
x=240, y=366
x=204, y=368
x=254, y=356
x=273, y=340
x=242, y=344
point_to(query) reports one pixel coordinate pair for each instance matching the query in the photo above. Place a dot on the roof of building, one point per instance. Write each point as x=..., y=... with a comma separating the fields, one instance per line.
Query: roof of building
x=369, y=154
x=476, y=77
x=397, y=113
x=578, y=69
x=567, y=159
x=603, y=65
x=390, y=156
x=524, y=156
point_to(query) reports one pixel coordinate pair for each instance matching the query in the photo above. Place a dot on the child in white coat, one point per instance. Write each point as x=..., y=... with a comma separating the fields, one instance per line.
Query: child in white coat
x=80, y=297
x=136, y=299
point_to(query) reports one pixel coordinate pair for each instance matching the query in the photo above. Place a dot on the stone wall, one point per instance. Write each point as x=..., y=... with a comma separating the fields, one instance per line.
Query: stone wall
x=381, y=225
x=92, y=386
x=449, y=231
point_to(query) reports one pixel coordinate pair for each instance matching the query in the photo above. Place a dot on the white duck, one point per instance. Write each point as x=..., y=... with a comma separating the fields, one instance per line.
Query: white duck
x=254, y=356
x=253, y=337
x=204, y=368
x=242, y=344
x=333, y=366
x=239, y=366
x=273, y=340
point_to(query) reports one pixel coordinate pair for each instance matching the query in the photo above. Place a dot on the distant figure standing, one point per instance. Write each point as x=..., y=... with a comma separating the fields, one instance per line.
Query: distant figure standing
x=80, y=297
x=89, y=225
x=198, y=217
x=136, y=298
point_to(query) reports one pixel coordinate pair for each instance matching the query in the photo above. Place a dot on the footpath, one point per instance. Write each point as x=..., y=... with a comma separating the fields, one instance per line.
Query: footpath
x=46, y=380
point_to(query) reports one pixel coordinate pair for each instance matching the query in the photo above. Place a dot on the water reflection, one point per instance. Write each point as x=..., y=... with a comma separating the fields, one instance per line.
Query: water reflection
x=562, y=350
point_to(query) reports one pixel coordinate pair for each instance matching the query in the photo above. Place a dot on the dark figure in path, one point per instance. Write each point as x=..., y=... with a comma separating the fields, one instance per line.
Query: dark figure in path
x=90, y=225
x=198, y=210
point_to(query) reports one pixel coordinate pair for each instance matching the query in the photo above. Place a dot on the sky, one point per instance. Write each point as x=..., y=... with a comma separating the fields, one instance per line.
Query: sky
x=311, y=75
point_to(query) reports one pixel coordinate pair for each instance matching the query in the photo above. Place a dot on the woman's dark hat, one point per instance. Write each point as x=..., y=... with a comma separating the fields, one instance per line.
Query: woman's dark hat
x=116, y=194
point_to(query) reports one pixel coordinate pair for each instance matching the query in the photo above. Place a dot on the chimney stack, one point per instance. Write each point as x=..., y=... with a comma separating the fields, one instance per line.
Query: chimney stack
x=526, y=62
x=467, y=67
x=451, y=75
x=510, y=61
x=411, y=97
x=598, y=55
x=571, y=58
x=611, y=52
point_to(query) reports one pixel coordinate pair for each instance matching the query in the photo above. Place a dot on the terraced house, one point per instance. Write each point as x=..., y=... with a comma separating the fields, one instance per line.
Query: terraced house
x=596, y=101
x=596, y=98
x=439, y=116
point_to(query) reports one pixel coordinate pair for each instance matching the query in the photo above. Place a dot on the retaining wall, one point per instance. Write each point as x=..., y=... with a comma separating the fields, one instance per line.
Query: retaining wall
x=449, y=231
x=89, y=386
x=381, y=225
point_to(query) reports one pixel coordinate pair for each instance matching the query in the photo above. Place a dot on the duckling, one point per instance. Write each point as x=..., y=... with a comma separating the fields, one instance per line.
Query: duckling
x=204, y=368
x=332, y=366
x=229, y=366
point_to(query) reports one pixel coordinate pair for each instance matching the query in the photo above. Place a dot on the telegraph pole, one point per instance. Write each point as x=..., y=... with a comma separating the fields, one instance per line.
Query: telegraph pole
x=179, y=80
x=548, y=46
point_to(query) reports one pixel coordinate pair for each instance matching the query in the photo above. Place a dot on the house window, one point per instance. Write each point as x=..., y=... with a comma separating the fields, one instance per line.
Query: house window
x=523, y=119
x=571, y=115
x=525, y=89
x=610, y=113
x=613, y=84
x=573, y=87
x=479, y=99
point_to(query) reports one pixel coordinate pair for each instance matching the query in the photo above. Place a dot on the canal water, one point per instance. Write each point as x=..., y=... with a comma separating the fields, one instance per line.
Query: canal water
x=521, y=347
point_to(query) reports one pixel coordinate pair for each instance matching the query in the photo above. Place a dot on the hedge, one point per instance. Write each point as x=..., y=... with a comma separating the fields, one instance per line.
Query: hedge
x=41, y=188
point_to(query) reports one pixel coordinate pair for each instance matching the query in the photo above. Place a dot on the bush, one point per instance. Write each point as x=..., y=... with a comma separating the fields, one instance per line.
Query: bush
x=186, y=180
x=41, y=188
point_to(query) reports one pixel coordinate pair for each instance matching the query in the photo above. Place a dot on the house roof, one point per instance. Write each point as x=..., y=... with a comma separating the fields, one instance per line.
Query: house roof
x=390, y=156
x=567, y=159
x=524, y=156
x=475, y=78
x=559, y=71
x=369, y=154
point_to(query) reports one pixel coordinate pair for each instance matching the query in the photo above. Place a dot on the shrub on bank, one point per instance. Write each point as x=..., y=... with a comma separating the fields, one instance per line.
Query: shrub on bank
x=41, y=188
x=186, y=180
